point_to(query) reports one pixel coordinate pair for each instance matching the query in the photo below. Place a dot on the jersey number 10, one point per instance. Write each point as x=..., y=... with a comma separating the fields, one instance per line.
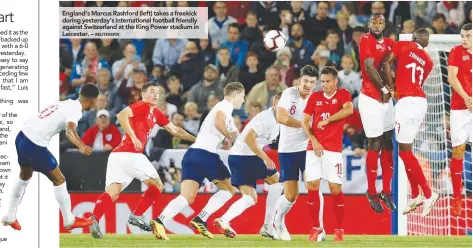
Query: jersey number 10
x=415, y=68
x=325, y=116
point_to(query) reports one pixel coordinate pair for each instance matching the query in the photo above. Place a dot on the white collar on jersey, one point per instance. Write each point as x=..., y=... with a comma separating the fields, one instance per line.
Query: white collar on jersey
x=419, y=46
x=330, y=97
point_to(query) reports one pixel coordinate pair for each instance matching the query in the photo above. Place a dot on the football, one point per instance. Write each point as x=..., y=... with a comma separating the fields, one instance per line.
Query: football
x=274, y=40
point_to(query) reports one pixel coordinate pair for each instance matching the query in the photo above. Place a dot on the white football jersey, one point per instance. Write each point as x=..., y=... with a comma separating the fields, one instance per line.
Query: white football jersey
x=293, y=139
x=266, y=128
x=52, y=120
x=209, y=138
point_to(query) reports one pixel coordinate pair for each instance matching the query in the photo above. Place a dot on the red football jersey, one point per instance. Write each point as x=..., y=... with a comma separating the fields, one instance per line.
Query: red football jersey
x=413, y=67
x=461, y=58
x=321, y=108
x=370, y=47
x=143, y=120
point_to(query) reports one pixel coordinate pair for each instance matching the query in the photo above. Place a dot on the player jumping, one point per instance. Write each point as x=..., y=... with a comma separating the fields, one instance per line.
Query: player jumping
x=127, y=160
x=376, y=112
x=459, y=77
x=327, y=109
x=202, y=161
x=248, y=163
x=292, y=144
x=33, y=155
x=413, y=67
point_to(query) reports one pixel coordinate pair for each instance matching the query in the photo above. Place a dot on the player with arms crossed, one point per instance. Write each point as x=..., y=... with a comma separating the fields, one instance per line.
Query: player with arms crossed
x=33, y=155
x=413, y=67
x=376, y=112
x=459, y=77
x=327, y=109
x=127, y=160
x=292, y=145
x=202, y=161
x=248, y=163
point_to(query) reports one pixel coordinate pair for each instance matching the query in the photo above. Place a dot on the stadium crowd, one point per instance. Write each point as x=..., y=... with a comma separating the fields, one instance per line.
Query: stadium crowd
x=192, y=73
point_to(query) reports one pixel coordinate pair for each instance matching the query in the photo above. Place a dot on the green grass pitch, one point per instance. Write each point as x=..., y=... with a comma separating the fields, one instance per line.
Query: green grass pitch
x=82, y=240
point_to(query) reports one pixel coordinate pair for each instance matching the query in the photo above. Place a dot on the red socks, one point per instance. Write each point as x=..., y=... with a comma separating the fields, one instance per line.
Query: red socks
x=313, y=203
x=372, y=171
x=339, y=209
x=456, y=168
x=387, y=167
x=101, y=205
x=412, y=166
x=147, y=199
x=414, y=185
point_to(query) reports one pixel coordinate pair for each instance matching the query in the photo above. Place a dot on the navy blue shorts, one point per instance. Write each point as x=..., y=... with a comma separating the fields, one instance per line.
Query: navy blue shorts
x=31, y=155
x=291, y=164
x=199, y=164
x=247, y=169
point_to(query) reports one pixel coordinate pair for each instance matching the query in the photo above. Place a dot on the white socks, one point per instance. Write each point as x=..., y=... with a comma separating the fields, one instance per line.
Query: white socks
x=274, y=193
x=283, y=207
x=173, y=208
x=238, y=207
x=215, y=203
x=15, y=198
x=64, y=200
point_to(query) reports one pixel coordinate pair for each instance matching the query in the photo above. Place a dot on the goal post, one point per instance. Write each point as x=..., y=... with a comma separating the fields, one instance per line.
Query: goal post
x=432, y=147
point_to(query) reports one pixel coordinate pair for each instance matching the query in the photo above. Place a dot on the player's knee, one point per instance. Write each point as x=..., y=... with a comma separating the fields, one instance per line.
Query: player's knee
x=291, y=197
x=58, y=180
x=458, y=152
x=374, y=144
x=336, y=189
x=313, y=185
x=190, y=198
x=156, y=182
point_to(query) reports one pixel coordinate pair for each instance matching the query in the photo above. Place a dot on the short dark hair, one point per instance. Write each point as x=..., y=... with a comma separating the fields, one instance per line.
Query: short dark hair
x=89, y=91
x=360, y=29
x=147, y=85
x=309, y=70
x=234, y=25
x=439, y=16
x=232, y=87
x=223, y=48
x=326, y=2
x=332, y=31
x=177, y=113
x=466, y=27
x=329, y=70
x=250, y=12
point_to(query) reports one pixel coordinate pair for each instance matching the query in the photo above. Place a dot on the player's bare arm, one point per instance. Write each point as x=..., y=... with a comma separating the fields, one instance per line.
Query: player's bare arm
x=456, y=85
x=318, y=148
x=221, y=126
x=74, y=138
x=124, y=120
x=282, y=117
x=386, y=64
x=179, y=132
x=250, y=140
x=346, y=111
x=376, y=78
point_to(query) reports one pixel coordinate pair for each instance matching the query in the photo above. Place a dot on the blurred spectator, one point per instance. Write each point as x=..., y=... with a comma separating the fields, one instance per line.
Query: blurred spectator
x=207, y=53
x=354, y=50
x=283, y=64
x=110, y=51
x=285, y=19
x=440, y=26
x=237, y=48
x=250, y=31
x=218, y=25
x=64, y=87
x=144, y=49
x=208, y=85
x=192, y=120
x=264, y=91
x=131, y=94
x=301, y=48
x=358, y=140
x=336, y=50
x=320, y=59
x=378, y=7
x=345, y=32
x=408, y=27
x=89, y=118
x=268, y=13
x=164, y=139
x=468, y=19
x=299, y=15
x=76, y=50
x=423, y=12
x=167, y=51
x=265, y=57
x=334, y=8
x=108, y=89
x=253, y=109
x=349, y=79
x=212, y=100
x=85, y=71
x=237, y=9
x=166, y=108
x=453, y=11
x=237, y=121
x=123, y=68
x=316, y=28
x=103, y=136
x=250, y=75
x=189, y=67
x=349, y=10
x=223, y=62
x=157, y=74
x=123, y=4
x=398, y=8
x=175, y=92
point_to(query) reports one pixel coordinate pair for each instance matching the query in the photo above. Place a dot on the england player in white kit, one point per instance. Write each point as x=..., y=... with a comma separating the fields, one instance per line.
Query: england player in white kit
x=249, y=163
x=292, y=144
x=33, y=155
x=202, y=161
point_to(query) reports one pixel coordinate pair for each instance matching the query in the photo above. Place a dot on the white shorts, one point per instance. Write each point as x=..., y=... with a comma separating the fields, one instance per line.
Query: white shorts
x=409, y=114
x=123, y=167
x=329, y=167
x=376, y=117
x=460, y=127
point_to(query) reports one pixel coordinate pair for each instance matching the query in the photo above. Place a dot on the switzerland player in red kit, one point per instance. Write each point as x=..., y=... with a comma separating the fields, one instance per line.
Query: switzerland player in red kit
x=459, y=77
x=413, y=67
x=376, y=112
x=327, y=109
x=127, y=161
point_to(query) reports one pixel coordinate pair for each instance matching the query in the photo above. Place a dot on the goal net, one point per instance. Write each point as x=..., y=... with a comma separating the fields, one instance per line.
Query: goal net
x=433, y=149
